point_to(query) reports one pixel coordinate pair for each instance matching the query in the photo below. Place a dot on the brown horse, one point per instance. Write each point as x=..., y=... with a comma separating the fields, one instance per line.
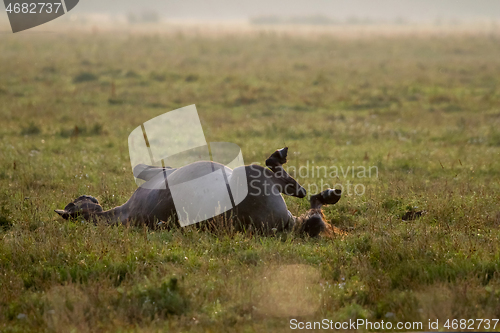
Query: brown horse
x=262, y=209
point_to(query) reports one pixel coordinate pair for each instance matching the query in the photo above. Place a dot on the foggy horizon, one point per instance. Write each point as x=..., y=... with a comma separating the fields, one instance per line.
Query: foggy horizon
x=357, y=11
x=381, y=10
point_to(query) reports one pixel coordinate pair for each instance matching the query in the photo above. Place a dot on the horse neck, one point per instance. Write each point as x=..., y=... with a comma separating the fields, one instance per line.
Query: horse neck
x=114, y=215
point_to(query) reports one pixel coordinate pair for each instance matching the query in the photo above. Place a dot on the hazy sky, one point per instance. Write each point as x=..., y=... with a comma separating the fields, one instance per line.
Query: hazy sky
x=411, y=10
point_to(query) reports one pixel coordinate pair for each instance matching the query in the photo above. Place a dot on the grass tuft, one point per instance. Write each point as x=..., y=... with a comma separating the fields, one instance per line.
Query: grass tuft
x=85, y=77
x=31, y=129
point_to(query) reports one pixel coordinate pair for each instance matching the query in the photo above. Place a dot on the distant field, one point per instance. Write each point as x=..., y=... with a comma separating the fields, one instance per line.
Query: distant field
x=422, y=110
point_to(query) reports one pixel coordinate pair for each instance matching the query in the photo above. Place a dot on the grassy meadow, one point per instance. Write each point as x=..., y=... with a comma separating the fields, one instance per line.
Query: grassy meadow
x=423, y=109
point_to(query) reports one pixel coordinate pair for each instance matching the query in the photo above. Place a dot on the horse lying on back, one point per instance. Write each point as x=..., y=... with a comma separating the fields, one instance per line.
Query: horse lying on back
x=263, y=209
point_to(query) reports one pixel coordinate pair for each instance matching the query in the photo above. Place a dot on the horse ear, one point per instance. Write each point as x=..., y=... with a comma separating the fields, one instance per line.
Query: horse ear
x=64, y=214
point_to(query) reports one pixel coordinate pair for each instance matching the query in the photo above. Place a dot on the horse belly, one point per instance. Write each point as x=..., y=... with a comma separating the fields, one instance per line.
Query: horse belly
x=263, y=213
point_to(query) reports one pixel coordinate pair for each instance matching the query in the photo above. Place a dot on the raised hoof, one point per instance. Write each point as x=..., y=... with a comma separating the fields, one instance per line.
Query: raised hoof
x=277, y=158
x=328, y=197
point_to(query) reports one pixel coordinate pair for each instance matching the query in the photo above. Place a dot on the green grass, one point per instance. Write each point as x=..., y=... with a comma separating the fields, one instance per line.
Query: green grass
x=423, y=110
